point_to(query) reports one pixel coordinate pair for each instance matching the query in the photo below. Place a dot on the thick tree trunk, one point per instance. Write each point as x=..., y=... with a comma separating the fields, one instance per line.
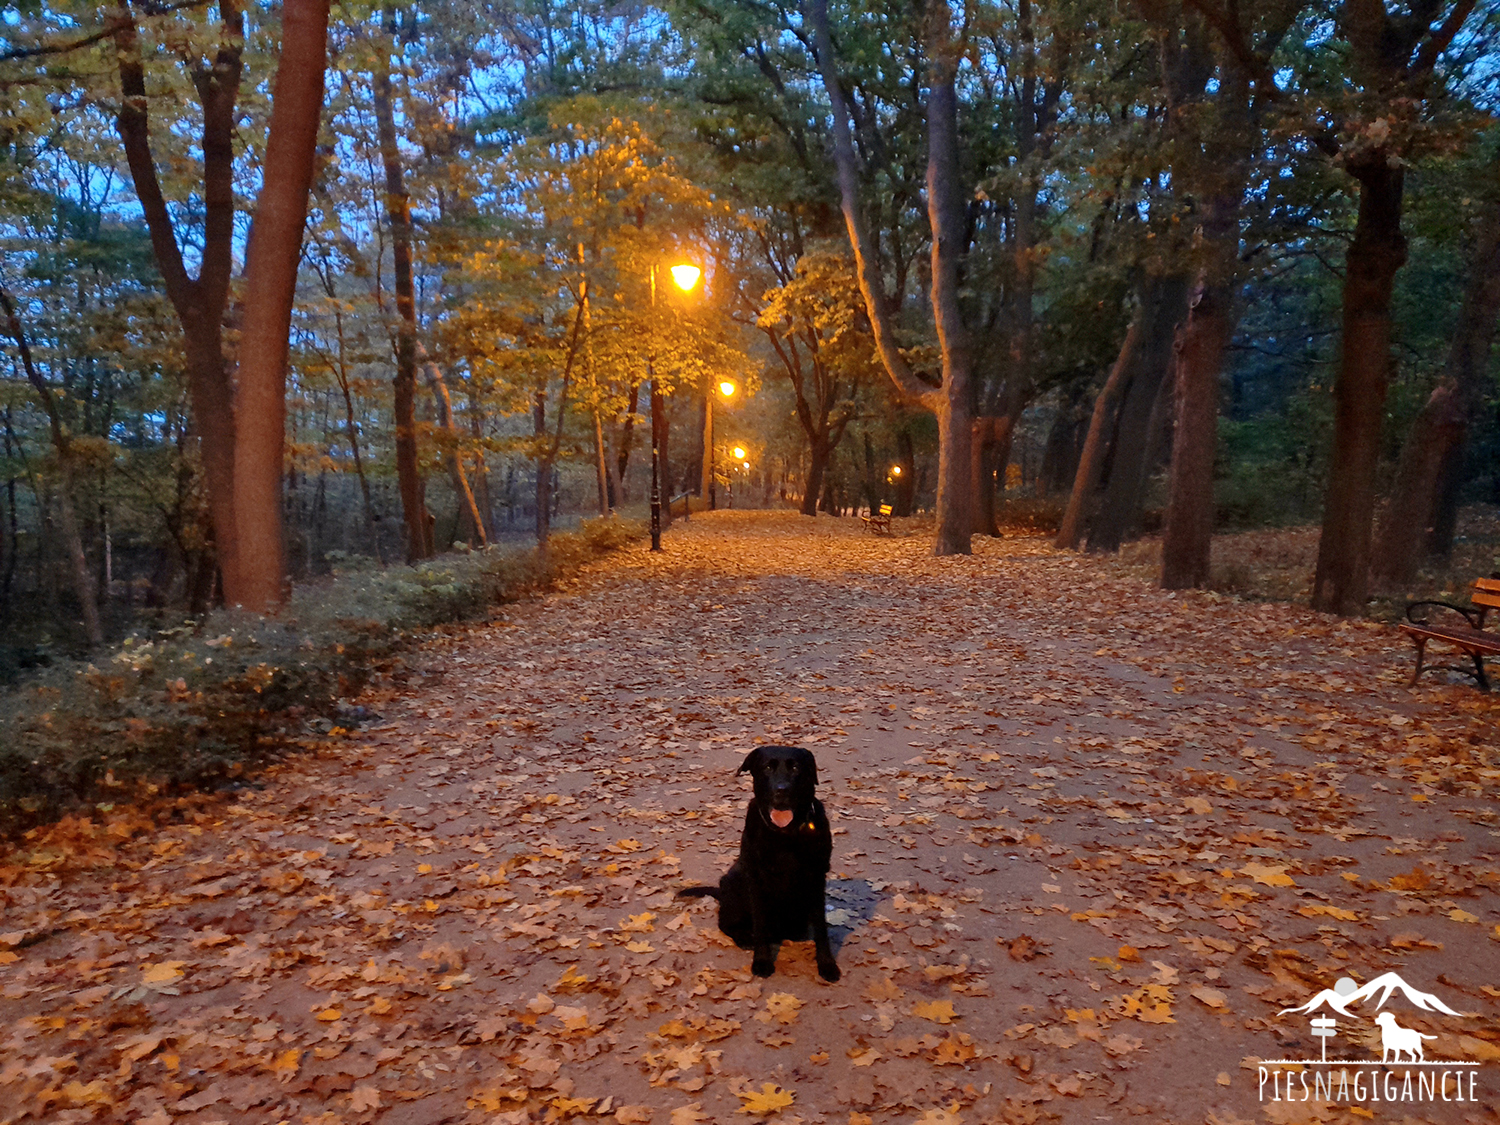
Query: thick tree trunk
x=275, y=249
x=1377, y=253
x=1188, y=538
x=1438, y=430
x=1120, y=513
x=953, y=403
x=1432, y=455
x=398, y=214
x=1091, y=460
x=199, y=302
x=817, y=470
x=982, y=486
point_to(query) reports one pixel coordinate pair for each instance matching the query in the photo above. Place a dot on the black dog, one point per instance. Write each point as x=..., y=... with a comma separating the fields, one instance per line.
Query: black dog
x=774, y=892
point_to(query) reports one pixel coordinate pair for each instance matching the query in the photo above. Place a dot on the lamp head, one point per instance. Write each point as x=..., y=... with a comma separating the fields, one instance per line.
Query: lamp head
x=727, y=389
x=686, y=276
x=895, y=470
x=739, y=453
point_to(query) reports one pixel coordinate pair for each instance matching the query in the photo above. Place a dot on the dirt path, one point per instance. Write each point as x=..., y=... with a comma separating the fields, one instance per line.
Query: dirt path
x=1090, y=840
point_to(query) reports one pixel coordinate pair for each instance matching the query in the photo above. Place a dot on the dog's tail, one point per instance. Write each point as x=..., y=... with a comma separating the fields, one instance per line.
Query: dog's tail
x=698, y=892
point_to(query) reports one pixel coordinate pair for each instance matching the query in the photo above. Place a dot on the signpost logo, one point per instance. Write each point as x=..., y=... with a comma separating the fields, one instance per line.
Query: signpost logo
x=1402, y=1073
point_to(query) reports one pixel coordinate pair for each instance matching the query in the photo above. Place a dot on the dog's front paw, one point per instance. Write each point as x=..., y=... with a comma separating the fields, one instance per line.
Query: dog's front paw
x=763, y=966
x=829, y=971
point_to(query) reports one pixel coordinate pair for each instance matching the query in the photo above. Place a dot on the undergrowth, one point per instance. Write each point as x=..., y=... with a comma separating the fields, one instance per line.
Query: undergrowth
x=199, y=706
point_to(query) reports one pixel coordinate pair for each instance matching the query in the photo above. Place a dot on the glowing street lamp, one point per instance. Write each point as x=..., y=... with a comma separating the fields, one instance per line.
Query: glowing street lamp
x=708, y=487
x=739, y=452
x=686, y=277
x=895, y=470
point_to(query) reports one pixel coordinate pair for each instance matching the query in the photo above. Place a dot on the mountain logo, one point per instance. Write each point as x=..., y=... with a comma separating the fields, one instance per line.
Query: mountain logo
x=1401, y=1072
x=1345, y=992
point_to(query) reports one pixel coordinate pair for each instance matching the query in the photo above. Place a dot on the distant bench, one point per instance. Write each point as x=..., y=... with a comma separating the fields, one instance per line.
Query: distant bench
x=880, y=521
x=1470, y=637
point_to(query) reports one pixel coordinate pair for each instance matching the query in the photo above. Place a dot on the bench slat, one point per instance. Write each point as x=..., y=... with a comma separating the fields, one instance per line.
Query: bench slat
x=1471, y=639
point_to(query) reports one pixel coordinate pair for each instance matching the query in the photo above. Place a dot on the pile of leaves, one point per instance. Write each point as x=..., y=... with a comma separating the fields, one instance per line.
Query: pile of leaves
x=200, y=705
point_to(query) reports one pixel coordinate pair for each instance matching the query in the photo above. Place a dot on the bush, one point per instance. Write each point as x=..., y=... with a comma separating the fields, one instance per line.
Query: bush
x=199, y=706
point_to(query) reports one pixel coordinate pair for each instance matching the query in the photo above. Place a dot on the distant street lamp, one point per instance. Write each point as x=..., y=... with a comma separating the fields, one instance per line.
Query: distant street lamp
x=709, y=487
x=739, y=452
x=685, y=276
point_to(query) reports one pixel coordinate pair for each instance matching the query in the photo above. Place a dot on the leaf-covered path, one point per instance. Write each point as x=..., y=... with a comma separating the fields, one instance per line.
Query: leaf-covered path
x=1090, y=839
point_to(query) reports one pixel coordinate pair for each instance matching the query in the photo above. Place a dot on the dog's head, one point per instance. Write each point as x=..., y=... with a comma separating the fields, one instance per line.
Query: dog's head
x=785, y=777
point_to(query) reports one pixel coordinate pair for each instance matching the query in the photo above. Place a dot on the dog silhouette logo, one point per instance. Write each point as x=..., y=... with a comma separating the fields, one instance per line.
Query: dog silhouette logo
x=1397, y=1040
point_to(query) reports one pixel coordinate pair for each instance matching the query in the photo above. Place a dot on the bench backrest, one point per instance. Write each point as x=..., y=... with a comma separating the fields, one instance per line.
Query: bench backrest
x=1486, y=593
x=885, y=510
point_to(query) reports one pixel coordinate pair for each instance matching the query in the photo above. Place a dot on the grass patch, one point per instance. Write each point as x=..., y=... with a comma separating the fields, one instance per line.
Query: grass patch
x=201, y=705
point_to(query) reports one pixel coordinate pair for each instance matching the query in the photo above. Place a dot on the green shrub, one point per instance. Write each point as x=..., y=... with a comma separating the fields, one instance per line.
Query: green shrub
x=200, y=705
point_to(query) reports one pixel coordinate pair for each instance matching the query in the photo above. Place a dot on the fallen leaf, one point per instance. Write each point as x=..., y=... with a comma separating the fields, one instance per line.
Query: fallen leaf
x=938, y=1011
x=769, y=1099
x=1269, y=876
x=1210, y=996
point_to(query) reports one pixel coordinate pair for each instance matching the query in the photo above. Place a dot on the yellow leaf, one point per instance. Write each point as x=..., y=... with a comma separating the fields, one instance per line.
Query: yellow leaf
x=95, y=1093
x=689, y=1114
x=1198, y=806
x=863, y=1056
x=783, y=1007
x=938, y=1011
x=1223, y=1079
x=1314, y=910
x=163, y=973
x=328, y=1015
x=640, y=947
x=639, y=923
x=1270, y=876
x=1462, y=916
x=770, y=1099
x=568, y=1107
x=7, y=957
x=285, y=1064
x=633, y=1115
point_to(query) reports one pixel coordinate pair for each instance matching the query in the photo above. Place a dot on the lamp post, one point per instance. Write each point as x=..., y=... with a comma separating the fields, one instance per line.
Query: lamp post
x=709, y=487
x=685, y=276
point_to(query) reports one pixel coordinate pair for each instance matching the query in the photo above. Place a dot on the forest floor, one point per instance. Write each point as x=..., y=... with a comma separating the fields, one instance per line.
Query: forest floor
x=1090, y=839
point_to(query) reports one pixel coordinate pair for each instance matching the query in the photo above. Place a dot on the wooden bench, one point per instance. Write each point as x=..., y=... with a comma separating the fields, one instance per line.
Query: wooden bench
x=1471, y=637
x=878, y=522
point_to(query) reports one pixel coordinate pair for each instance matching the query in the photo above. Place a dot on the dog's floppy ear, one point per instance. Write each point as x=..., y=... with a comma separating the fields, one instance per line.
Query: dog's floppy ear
x=805, y=758
x=752, y=762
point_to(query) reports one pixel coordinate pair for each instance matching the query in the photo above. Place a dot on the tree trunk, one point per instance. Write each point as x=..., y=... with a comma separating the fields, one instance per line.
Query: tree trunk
x=1188, y=537
x=471, y=521
x=543, y=470
x=1437, y=430
x=275, y=249
x=627, y=435
x=1091, y=461
x=817, y=471
x=982, y=456
x=398, y=214
x=83, y=577
x=1419, y=516
x=1377, y=253
x=953, y=402
x=1120, y=514
x=199, y=302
